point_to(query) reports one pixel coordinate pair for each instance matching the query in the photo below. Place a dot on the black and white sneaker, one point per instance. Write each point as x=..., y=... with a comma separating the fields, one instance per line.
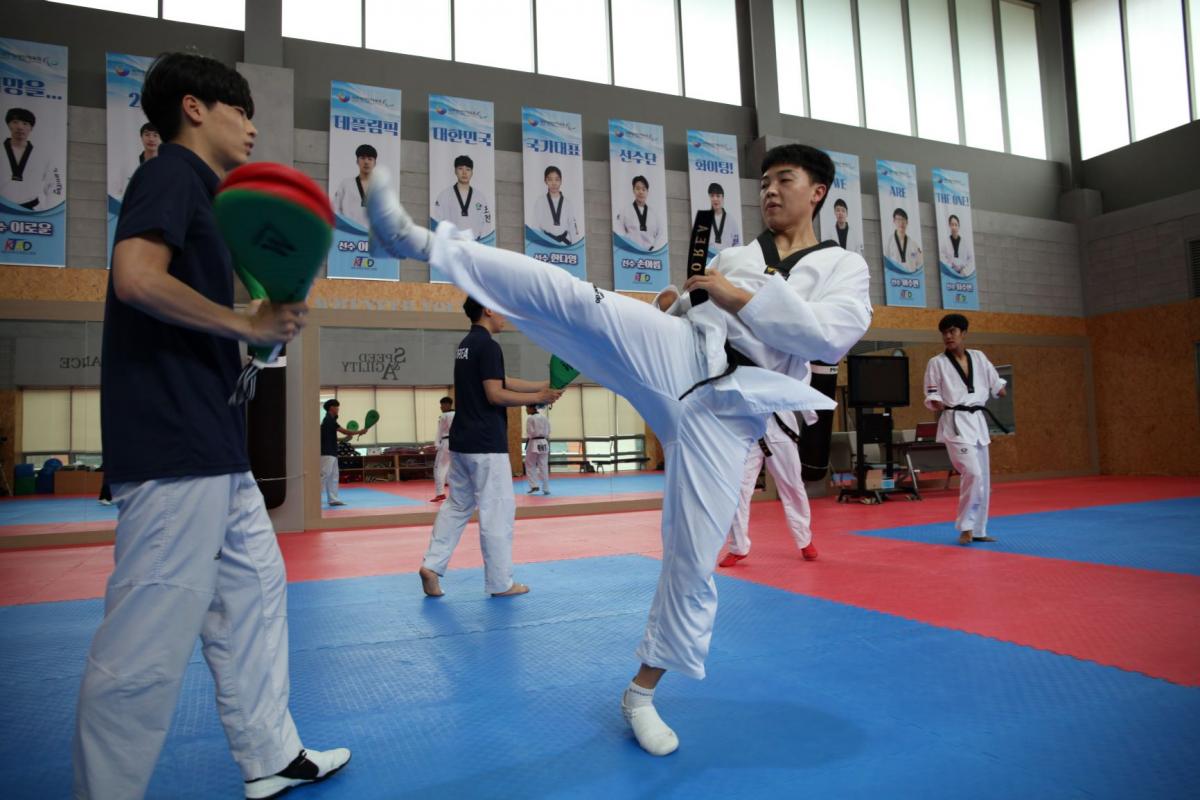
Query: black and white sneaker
x=311, y=766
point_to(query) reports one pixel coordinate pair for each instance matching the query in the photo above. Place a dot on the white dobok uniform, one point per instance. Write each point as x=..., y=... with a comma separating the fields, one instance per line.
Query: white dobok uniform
x=537, y=451
x=658, y=362
x=628, y=224
x=962, y=262
x=542, y=218
x=483, y=481
x=441, y=461
x=39, y=181
x=477, y=217
x=730, y=226
x=784, y=465
x=911, y=258
x=965, y=433
x=349, y=202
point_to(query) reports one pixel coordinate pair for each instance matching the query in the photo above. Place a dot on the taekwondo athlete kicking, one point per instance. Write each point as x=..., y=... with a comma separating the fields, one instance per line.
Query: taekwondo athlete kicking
x=704, y=375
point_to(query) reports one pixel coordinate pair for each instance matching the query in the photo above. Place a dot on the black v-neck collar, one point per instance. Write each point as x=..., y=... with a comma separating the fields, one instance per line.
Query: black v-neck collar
x=969, y=376
x=766, y=241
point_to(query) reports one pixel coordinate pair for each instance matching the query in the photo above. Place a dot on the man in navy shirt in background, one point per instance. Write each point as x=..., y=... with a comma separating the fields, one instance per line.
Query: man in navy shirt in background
x=480, y=473
x=329, y=450
x=196, y=554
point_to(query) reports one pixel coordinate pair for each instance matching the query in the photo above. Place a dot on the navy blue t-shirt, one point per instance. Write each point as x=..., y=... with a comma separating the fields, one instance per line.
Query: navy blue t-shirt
x=478, y=426
x=164, y=388
x=329, y=436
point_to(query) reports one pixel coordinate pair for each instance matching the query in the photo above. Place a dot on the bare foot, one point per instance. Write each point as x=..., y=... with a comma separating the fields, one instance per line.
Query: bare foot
x=430, y=582
x=515, y=589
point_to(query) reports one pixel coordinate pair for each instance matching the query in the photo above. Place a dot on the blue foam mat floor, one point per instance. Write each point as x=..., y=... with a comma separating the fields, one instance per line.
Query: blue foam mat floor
x=41, y=510
x=360, y=496
x=1157, y=535
x=470, y=697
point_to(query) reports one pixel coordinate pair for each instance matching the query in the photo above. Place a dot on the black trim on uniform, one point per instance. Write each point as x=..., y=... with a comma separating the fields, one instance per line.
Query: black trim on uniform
x=464, y=205
x=641, y=215
x=18, y=167
x=766, y=241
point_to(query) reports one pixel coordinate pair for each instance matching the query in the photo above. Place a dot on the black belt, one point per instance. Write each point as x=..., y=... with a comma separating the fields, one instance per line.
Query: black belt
x=735, y=358
x=972, y=409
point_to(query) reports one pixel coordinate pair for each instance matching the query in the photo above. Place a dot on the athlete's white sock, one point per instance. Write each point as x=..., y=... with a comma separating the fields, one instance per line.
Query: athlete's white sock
x=391, y=227
x=654, y=735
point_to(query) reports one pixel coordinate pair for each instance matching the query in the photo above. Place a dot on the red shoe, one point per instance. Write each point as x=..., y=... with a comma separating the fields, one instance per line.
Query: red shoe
x=730, y=559
x=438, y=499
x=809, y=553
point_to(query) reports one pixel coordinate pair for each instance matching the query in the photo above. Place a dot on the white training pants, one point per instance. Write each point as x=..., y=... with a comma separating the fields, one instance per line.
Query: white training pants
x=483, y=481
x=650, y=358
x=784, y=466
x=194, y=557
x=975, y=487
x=537, y=464
x=441, y=468
x=329, y=477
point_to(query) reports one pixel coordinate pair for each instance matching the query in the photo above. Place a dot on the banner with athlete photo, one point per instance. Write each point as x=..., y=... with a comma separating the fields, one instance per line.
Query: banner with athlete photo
x=713, y=186
x=900, y=225
x=462, y=168
x=956, y=240
x=33, y=174
x=552, y=150
x=130, y=137
x=841, y=216
x=364, y=132
x=641, y=262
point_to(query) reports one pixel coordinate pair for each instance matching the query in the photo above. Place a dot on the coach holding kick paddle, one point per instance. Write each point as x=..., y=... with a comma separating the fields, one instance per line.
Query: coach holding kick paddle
x=196, y=554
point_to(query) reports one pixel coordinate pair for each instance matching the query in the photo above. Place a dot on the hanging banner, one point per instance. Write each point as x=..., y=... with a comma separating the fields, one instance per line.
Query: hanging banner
x=900, y=225
x=552, y=149
x=33, y=171
x=713, y=186
x=956, y=240
x=364, y=132
x=841, y=216
x=641, y=262
x=462, y=167
x=131, y=139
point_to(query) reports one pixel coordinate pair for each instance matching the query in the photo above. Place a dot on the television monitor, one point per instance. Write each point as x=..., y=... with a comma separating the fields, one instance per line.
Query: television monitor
x=877, y=381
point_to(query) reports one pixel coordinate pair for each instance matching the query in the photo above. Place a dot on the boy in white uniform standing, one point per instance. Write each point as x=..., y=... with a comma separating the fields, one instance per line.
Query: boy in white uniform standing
x=782, y=454
x=776, y=303
x=537, y=450
x=958, y=383
x=441, y=462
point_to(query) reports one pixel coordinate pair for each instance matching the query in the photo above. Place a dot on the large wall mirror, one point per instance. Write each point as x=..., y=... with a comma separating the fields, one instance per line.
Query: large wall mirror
x=600, y=448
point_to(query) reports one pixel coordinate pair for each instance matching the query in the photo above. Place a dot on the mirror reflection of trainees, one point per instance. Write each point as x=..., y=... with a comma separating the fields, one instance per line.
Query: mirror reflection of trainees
x=149, y=137
x=350, y=199
x=956, y=251
x=727, y=228
x=552, y=214
x=28, y=178
x=900, y=248
x=638, y=222
x=463, y=204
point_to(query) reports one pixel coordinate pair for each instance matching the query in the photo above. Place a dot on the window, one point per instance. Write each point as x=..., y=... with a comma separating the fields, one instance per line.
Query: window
x=407, y=415
x=229, y=14
x=884, y=66
x=645, y=45
x=494, y=33
x=416, y=27
x=318, y=21
x=572, y=39
x=1099, y=76
x=1193, y=27
x=143, y=8
x=933, y=70
x=711, y=70
x=832, y=74
x=1157, y=66
x=789, y=66
x=1022, y=80
x=60, y=421
x=979, y=74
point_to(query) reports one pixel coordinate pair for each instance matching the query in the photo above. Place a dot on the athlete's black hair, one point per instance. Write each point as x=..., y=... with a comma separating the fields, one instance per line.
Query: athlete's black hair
x=174, y=75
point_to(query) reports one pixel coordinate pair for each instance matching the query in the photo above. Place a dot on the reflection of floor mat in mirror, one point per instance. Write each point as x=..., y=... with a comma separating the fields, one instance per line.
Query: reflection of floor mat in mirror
x=360, y=496
x=470, y=697
x=48, y=509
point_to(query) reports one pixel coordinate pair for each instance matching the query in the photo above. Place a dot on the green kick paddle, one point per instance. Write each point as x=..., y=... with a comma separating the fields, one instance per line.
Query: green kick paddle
x=561, y=373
